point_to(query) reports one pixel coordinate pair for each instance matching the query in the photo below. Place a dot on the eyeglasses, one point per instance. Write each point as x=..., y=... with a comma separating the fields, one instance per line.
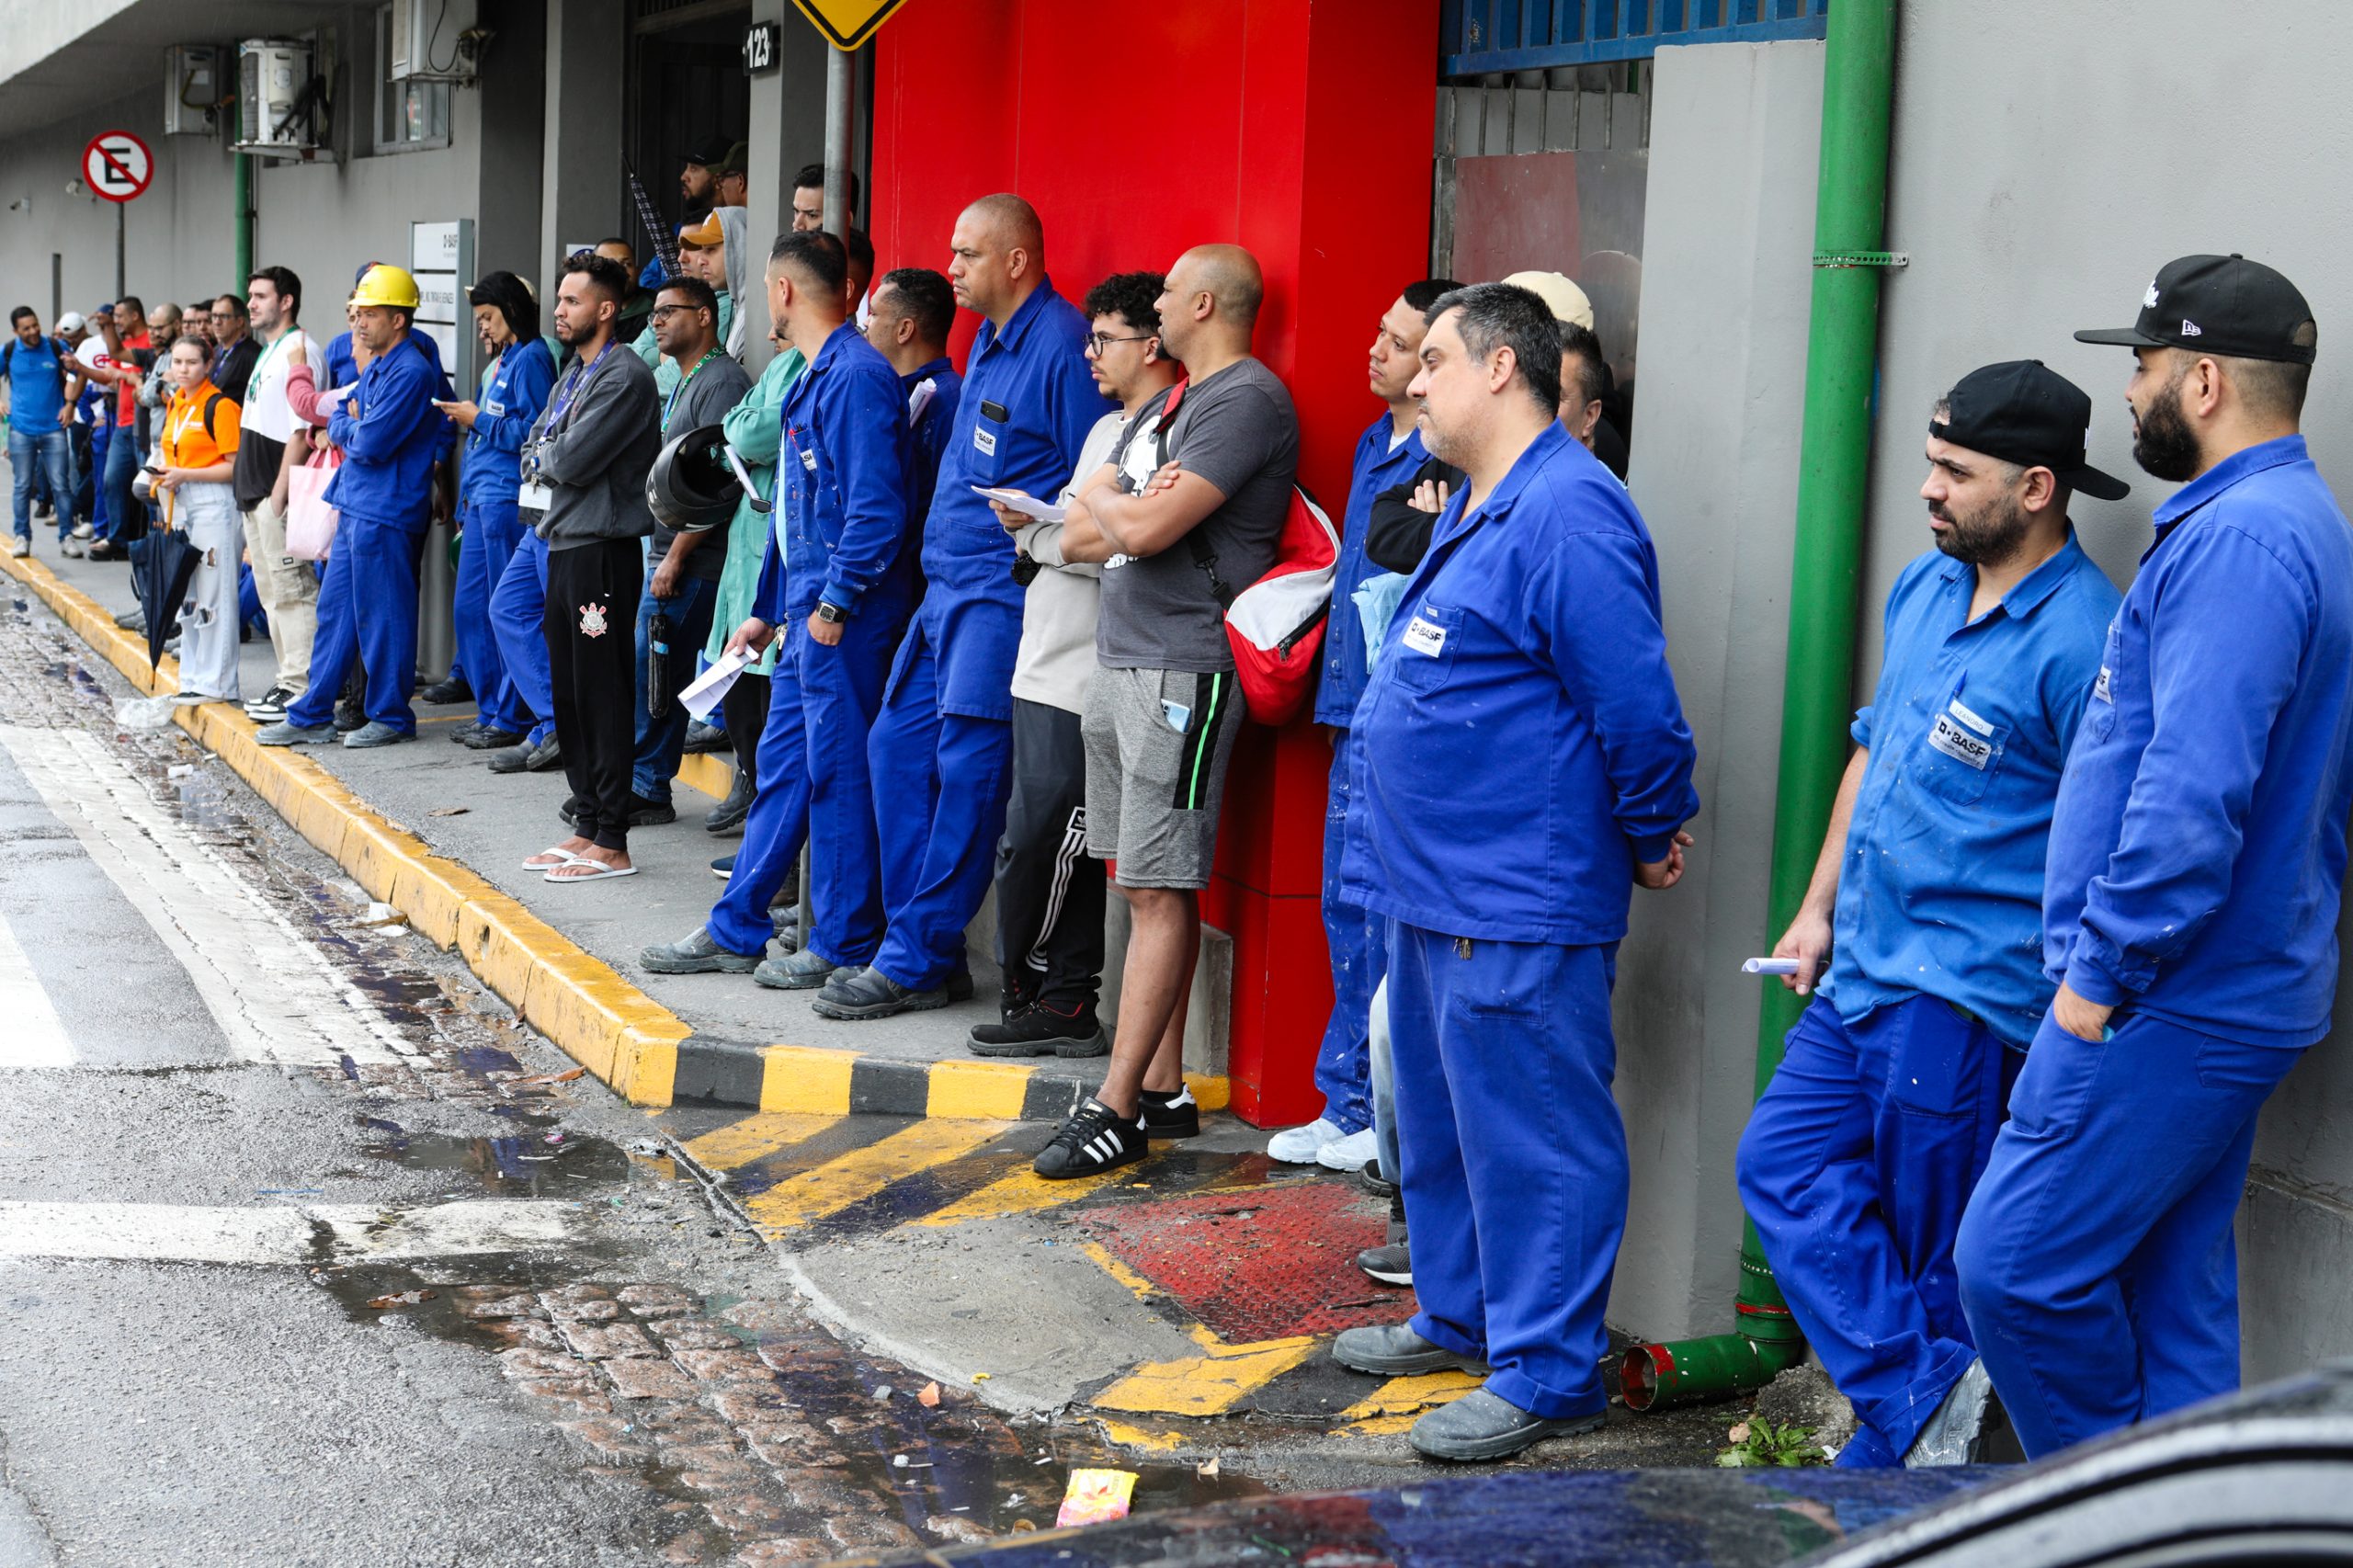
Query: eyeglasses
x=1096, y=342
x=664, y=312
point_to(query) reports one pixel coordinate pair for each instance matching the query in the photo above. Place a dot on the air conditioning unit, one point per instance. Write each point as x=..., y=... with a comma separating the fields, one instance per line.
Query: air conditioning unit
x=281, y=103
x=432, y=40
x=193, y=91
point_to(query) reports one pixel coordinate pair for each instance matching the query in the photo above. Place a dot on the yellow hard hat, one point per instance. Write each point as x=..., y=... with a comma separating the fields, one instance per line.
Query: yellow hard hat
x=386, y=284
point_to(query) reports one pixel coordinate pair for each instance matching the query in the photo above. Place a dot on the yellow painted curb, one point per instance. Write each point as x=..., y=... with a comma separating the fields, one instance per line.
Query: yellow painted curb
x=607, y=1025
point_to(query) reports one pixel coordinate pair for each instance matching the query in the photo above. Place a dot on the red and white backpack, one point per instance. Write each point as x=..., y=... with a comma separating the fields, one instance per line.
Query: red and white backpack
x=1275, y=624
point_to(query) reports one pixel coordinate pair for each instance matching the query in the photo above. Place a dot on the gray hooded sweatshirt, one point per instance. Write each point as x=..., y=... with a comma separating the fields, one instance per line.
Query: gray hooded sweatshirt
x=599, y=451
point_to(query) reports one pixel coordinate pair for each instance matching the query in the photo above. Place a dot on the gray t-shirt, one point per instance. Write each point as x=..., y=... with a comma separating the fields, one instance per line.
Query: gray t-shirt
x=719, y=386
x=1238, y=430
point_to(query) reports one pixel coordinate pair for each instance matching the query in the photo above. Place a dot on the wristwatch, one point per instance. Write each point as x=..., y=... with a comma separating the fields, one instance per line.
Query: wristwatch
x=831, y=614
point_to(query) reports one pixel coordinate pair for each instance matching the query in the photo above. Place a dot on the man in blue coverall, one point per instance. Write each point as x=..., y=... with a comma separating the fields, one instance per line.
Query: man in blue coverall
x=941, y=751
x=1387, y=453
x=1520, y=761
x=515, y=387
x=1926, y=903
x=391, y=432
x=914, y=309
x=840, y=607
x=2190, y=903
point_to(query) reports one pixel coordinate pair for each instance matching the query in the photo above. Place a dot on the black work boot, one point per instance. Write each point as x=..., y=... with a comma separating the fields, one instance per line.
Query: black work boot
x=1039, y=1029
x=869, y=993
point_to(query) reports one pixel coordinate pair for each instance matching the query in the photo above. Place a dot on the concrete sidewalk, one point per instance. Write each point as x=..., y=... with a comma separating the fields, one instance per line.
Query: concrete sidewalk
x=742, y=1044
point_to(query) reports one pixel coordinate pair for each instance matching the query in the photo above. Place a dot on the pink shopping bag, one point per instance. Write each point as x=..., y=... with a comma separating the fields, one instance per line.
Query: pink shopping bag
x=310, y=521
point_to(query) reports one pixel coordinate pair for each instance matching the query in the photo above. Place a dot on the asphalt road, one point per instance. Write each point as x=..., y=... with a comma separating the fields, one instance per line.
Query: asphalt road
x=303, y=1259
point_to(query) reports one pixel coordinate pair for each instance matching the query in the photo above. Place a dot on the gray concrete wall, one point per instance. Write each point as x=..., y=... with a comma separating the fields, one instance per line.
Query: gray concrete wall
x=1734, y=130
x=2048, y=159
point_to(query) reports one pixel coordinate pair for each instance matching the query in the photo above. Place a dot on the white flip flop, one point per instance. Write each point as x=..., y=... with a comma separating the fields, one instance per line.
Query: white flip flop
x=598, y=875
x=568, y=858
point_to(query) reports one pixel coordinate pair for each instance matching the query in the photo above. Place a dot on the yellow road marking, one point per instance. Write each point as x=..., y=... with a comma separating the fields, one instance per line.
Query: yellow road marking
x=1209, y=1384
x=1023, y=1192
x=1402, y=1399
x=828, y=1188
x=806, y=1078
x=1129, y=1436
x=995, y=1089
x=755, y=1137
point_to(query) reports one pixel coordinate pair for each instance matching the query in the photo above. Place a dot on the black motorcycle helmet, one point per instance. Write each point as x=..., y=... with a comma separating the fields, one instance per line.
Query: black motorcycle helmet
x=691, y=485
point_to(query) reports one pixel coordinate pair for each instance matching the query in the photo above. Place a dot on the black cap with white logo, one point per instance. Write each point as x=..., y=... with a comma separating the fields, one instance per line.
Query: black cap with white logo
x=2220, y=304
x=2021, y=411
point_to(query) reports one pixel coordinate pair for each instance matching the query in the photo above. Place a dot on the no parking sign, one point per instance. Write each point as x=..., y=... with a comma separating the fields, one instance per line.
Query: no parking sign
x=117, y=165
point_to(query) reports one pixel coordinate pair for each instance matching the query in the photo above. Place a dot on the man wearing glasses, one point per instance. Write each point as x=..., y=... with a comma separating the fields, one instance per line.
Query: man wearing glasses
x=1050, y=893
x=234, y=352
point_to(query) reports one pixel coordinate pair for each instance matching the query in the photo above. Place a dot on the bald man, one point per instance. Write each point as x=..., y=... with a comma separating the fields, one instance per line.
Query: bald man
x=1187, y=512
x=941, y=752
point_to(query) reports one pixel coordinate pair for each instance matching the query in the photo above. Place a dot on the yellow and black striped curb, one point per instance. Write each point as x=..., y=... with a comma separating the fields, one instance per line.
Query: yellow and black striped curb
x=630, y=1041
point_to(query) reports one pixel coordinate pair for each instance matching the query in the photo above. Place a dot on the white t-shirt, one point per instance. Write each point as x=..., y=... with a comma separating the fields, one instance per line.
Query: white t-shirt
x=93, y=353
x=265, y=412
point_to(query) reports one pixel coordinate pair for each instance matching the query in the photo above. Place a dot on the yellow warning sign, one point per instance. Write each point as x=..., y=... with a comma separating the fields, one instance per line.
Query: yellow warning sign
x=847, y=23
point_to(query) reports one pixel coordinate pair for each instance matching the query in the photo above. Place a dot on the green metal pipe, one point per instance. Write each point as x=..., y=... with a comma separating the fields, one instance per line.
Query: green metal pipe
x=245, y=201
x=1842, y=350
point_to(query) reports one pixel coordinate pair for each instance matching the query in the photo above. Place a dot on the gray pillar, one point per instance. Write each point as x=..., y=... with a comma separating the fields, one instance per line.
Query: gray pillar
x=513, y=115
x=788, y=129
x=1725, y=284
x=581, y=201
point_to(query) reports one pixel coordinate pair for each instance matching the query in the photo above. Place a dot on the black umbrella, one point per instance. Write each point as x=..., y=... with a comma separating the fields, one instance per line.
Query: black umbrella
x=166, y=563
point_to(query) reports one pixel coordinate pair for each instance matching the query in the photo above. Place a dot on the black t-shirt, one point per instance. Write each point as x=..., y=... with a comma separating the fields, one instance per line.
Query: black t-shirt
x=255, y=472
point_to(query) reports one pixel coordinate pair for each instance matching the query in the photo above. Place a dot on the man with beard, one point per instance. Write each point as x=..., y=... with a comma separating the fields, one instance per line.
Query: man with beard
x=1926, y=905
x=2190, y=912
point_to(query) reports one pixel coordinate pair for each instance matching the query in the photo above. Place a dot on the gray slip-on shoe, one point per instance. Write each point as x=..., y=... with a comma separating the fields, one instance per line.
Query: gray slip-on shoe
x=869, y=993
x=796, y=971
x=375, y=732
x=696, y=953
x=1484, y=1426
x=284, y=734
x=1395, y=1350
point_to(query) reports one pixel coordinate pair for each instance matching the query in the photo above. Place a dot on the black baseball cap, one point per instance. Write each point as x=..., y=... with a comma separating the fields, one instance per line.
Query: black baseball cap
x=2021, y=411
x=2219, y=304
x=715, y=154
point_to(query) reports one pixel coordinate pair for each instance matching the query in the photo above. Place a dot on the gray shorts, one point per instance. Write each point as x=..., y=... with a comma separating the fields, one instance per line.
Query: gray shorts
x=1157, y=743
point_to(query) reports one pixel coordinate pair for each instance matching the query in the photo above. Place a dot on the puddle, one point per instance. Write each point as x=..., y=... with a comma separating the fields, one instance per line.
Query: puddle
x=521, y=1164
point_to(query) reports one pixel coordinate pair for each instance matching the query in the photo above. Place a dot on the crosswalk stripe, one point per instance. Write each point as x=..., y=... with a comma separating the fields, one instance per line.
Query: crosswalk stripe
x=35, y=1036
x=1023, y=1192
x=1398, y=1404
x=177, y=1232
x=755, y=1137
x=836, y=1184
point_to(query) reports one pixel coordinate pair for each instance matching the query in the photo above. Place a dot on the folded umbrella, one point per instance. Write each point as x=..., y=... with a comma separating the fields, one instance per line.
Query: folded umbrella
x=659, y=685
x=167, y=563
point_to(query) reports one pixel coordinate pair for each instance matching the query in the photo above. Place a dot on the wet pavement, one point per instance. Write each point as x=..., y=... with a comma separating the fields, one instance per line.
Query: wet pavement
x=310, y=1252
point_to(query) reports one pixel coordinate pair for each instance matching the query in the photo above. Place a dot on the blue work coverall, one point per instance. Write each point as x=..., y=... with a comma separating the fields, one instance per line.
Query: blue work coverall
x=391, y=434
x=1357, y=939
x=843, y=470
x=1519, y=748
x=515, y=387
x=927, y=433
x=942, y=750
x=1862, y=1154
x=2197, y=854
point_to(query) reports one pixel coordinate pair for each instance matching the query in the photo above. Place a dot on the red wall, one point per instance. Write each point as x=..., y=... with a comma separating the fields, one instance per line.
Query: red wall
x=1301, y=129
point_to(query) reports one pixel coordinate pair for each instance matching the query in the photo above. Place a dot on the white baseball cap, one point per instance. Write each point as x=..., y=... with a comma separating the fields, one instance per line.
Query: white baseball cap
x=71, y=321
x=1567, y=301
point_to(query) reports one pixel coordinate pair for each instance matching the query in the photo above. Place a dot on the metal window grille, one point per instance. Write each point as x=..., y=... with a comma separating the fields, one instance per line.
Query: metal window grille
x=1480, y=37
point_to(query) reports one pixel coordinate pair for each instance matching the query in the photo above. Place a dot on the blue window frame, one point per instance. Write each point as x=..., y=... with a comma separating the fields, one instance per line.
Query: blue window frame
x=1478, y=36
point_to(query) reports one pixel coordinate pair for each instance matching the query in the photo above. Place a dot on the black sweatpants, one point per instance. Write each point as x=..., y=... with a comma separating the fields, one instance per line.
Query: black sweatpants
x=1049, y=892
x=746, y=709
x=590, y=622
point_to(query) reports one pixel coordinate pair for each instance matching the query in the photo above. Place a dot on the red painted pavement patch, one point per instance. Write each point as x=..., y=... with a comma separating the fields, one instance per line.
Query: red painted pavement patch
x=1259, y=1266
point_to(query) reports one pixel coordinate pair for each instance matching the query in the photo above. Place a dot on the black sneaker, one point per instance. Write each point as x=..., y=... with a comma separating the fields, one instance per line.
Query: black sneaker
x=1389, y=1265
x=1171, y=1114
x=270, y=706
x=348, y=716
x=485, y=738
x=1374, y=1182
x=644, y=813
x=1038, y=1029
x=460, y=732
x=1095, y=1138
x=442, y=693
